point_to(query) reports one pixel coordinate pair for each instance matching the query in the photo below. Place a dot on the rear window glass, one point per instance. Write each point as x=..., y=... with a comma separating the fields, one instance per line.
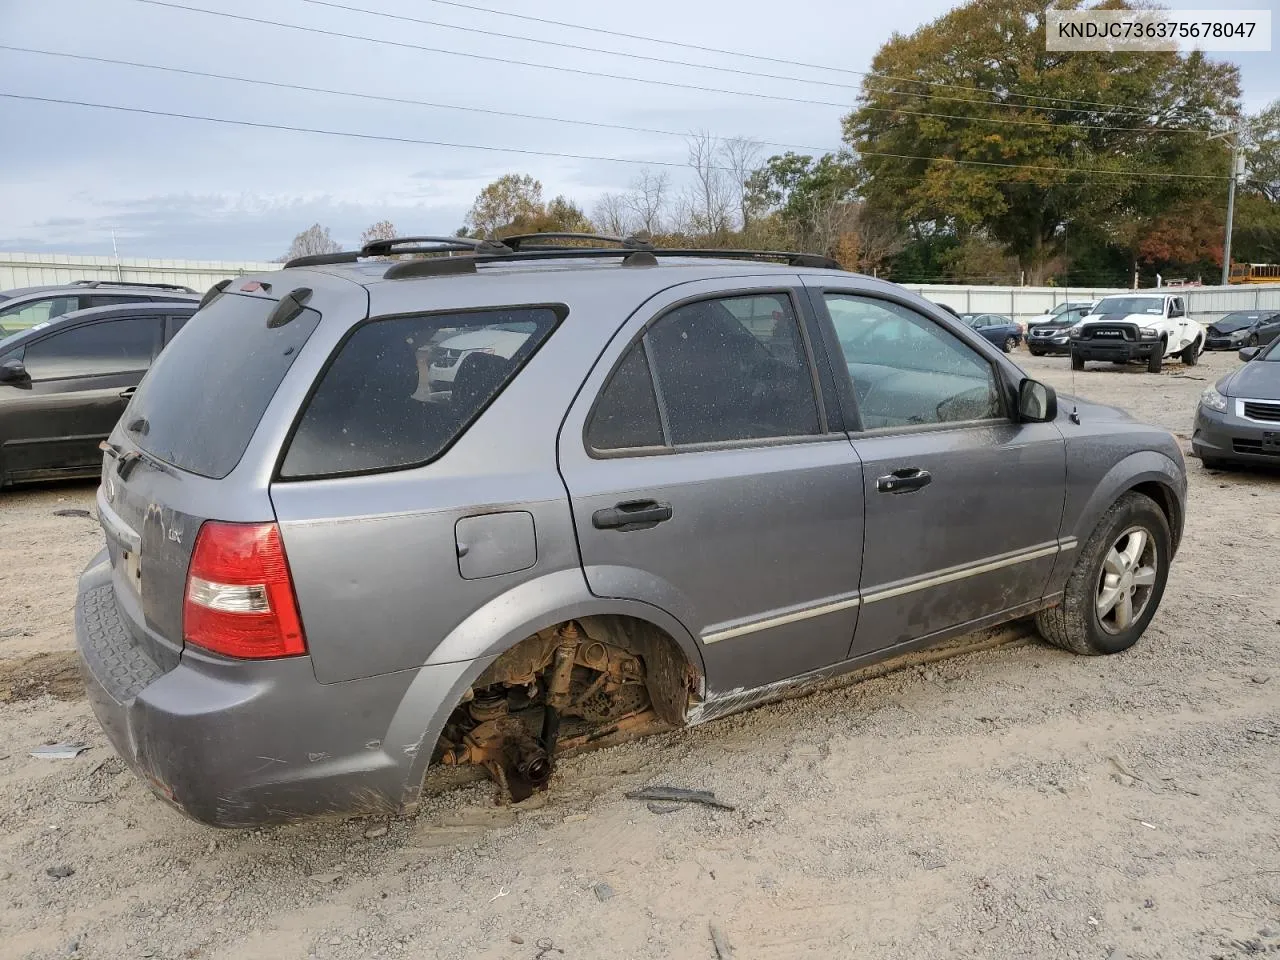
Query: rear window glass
x=202, y=400
x=401, y=390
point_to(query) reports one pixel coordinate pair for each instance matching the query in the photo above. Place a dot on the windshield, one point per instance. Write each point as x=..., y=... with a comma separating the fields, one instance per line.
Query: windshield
x=1236, y=321
x=1152, y=305
x=200, y=403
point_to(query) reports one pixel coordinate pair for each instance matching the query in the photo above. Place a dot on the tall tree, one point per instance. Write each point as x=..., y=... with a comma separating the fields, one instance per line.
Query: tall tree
x=612, y=214
x=511, y=198
x=649, y=200
x=310, y=242
x=1032, y=115
x=382, y=230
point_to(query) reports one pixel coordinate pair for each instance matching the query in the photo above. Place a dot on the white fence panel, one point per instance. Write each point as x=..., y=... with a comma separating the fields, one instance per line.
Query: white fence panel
x=31, y=270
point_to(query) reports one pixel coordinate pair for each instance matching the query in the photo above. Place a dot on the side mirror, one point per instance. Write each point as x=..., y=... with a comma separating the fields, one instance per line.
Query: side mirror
x=1248, y=353
x=1037, y=403
x=13, y=371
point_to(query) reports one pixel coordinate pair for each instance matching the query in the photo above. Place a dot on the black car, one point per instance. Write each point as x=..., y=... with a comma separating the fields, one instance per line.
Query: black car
x=1239, y=417
x=1051, y=335
x=64, y=384
x=26, y=307
x=1244, y=328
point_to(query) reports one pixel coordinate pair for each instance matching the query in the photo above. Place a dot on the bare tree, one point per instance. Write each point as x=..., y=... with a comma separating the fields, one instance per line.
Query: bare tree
x=741, y=155
x=312, y=241
x=612, y=214
x=382, y=230
x=712, y=194
x=879, y=238
x=648, y=199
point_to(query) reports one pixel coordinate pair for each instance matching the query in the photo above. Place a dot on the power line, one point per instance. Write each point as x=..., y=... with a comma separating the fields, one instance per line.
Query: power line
x=331, y=4
x=405, y=101
x=262, y=125
x=1115, y=107
x=632, y=79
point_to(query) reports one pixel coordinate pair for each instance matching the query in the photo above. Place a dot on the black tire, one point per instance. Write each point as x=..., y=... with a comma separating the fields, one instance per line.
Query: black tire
x=1191, y=354
x=1009, y=344
x=1156, y=360
x=1077, y=363
x=1074, y=624
x=1253, y=340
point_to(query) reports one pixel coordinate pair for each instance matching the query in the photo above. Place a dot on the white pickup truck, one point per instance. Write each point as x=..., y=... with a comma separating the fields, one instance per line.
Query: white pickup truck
x=1137, y=326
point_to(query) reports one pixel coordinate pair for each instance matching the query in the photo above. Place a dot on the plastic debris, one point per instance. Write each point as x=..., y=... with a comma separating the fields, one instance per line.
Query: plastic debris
x=680, y=795
x=59, y=751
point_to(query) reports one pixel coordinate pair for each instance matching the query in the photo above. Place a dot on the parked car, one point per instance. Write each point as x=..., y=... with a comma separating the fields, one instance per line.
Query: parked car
x=1147, y=326
x=1238, y=419
x=1053, y=336
x=501, y=340
x=1055, y=315
x=1001, y=331
x=1244, y=328
x=702, y=481
x=29, y=306
x=64, y=383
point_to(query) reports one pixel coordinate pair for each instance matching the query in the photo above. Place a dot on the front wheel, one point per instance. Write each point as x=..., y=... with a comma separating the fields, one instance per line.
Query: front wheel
x=1117, y=583
x=1156, y=360
x=1009, y=344
x=1191, y=354
x=1077, y=362
x=1253, y=339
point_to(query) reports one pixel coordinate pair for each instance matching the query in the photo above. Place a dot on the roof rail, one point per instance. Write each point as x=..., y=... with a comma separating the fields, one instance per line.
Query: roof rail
x=131, y=283
x=630, y=243
x=438, y=266
x=390, y=247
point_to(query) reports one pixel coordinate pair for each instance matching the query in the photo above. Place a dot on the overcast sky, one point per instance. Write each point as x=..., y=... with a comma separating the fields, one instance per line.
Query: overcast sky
x=188, y=189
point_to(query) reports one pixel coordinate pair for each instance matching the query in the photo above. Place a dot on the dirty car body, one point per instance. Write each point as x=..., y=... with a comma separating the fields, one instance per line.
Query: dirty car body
x=697, y=485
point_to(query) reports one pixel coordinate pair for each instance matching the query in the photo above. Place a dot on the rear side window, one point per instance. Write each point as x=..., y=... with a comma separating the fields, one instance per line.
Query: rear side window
x=401, y=390
x=626, y=416
x=201, y=402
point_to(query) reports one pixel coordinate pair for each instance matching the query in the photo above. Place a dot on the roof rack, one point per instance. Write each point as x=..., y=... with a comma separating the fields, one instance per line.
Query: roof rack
x=392, y=247
x=131, y=283
x=518, y=242
x=448, y=266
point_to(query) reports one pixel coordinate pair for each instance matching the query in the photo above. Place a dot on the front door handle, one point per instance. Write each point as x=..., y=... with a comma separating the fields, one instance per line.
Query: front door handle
x=905, y=480
x=631, y=515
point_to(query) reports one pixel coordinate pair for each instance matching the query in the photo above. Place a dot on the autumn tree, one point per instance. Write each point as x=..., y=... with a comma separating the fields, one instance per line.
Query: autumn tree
x=1039, y=145
x=382, y=230
x=310, y=242
x=511, y=198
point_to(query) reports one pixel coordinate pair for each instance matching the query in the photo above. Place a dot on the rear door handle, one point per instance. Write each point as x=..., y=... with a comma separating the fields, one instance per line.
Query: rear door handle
x=127, y=392
x=904, y=481
x=631, y=515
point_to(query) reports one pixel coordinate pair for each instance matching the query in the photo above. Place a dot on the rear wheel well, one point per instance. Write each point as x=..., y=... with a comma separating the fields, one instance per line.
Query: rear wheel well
x=1167, y=501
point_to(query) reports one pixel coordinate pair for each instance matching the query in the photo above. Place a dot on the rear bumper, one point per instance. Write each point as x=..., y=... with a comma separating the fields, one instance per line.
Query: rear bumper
x=235, y=744
x=1221, y=436
x=1121, y=350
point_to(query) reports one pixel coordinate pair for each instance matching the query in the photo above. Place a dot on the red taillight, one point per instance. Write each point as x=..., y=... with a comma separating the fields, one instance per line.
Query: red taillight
x=239, y=599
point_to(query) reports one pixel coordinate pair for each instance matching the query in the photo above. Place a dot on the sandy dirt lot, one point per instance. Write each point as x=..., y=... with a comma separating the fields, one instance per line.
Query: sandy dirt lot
x=1015, y=801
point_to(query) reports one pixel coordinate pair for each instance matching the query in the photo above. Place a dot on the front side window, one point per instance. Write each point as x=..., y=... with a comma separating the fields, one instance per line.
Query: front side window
x=19, y=316
x=906, y=369
x=401, y=390
x=95, y=349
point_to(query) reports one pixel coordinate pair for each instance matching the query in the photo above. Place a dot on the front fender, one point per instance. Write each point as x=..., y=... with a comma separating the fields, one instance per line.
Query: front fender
x=1144, y=466
x=491, y=630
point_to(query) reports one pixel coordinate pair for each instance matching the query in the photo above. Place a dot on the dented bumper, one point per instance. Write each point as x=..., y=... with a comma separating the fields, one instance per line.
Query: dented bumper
x=234, y=743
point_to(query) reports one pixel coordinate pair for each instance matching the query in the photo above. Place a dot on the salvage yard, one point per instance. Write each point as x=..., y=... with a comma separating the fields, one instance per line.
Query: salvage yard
x=1009, y=800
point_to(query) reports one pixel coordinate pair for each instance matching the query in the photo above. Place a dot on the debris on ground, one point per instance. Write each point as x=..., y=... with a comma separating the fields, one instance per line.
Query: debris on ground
x=68, y=750
x=603, y=892
x=723, y=950
x=661, y=808
x=376, y=831
x=60, y=871
x=680, y=795
x=72, y=512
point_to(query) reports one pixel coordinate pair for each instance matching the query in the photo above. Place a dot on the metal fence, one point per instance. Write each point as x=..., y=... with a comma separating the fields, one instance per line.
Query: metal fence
x=32, y=269
x=1022, y=303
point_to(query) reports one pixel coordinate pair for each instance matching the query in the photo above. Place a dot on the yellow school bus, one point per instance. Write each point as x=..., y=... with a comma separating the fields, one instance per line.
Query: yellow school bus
x=1255, y=273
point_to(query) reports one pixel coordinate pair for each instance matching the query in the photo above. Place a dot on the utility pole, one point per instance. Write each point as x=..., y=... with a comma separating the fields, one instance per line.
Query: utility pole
x=1237, y=170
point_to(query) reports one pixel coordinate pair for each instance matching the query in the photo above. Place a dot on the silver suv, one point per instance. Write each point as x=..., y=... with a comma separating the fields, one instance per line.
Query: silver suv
x=373, y=519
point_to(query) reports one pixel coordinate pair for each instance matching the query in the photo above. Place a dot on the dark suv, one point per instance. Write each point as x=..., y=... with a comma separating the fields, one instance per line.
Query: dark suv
x=368, y=521
x=65, y=382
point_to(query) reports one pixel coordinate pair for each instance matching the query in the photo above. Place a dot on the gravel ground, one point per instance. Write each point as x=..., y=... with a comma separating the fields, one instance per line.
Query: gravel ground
x=1013, y=801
